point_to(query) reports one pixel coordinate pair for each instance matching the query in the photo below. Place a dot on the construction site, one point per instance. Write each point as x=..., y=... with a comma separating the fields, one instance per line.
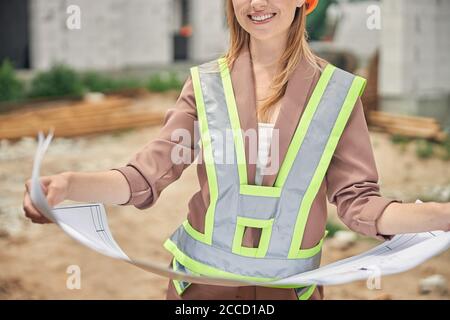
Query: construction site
x=103, y=108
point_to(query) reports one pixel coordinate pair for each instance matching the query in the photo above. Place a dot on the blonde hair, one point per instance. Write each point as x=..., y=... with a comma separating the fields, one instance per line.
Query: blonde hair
x=297, y=49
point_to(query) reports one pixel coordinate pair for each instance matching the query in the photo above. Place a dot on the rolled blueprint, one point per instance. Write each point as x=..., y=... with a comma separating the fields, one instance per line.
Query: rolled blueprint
x=88, y=224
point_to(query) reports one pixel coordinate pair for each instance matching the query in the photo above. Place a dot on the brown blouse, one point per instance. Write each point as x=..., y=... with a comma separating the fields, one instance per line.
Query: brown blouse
x=351, y=182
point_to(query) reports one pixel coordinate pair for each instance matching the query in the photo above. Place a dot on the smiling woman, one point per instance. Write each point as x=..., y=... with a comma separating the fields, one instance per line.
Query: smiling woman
x=251, y=224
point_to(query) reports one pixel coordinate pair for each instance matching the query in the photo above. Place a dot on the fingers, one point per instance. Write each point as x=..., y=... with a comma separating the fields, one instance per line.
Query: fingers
x=51, y=197
x=31, y=212
x=28, y=186
x=45, y=181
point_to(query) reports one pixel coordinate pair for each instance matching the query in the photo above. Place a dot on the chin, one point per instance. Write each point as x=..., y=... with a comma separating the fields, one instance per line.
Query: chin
x=262, y=35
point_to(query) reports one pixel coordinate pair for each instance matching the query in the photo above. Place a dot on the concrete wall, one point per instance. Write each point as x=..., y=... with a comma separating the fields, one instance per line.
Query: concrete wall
x=414, y=47
x=120, y=33
x=113, y=34
x=210, y=34
x=352, y=33
x=415, y=59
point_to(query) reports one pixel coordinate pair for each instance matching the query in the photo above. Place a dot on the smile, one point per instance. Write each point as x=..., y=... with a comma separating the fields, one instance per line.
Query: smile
x=261, y=18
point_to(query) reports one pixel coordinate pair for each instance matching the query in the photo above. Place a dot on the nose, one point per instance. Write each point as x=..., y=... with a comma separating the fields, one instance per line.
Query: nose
x=258, y=5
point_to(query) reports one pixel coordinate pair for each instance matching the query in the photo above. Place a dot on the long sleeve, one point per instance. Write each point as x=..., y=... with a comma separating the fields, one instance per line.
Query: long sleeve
x=162, y=160
x=352, y=178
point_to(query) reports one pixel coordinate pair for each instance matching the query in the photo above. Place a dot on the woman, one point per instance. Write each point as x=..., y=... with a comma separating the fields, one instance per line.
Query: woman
x=269, y=76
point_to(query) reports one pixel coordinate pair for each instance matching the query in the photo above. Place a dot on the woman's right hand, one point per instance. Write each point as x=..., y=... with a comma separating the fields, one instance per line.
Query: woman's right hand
x=55, y=188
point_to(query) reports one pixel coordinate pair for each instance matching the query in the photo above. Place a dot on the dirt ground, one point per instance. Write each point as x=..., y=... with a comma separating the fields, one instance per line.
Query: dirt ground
x=34, y=258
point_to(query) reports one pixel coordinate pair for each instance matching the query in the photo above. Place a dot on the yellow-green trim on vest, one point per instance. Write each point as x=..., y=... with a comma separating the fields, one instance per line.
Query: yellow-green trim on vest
x=306, y=295
x=303, y=125
x=176, y=283
x=302, y=217
x=260, y=191
x=234, y=120
x=180, y=290
x=200, y=268
x=206, y=270
x=205, y=237
x=266, y=231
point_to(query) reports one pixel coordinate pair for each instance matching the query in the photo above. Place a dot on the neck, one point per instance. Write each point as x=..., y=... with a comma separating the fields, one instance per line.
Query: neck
x=267, y=52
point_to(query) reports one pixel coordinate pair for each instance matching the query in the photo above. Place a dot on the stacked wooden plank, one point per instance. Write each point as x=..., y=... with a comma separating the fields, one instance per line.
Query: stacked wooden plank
x=408, y=126
x=79, y=118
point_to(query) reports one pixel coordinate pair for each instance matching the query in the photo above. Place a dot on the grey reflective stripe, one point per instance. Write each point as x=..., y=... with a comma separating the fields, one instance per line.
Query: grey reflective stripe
x=227, y=173
x=307, y=160
x=183, y=284
x=245, y=266
x=264, y=208
x=302, y=290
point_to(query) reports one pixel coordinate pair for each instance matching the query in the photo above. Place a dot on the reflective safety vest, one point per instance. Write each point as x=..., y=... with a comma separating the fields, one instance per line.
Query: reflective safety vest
x=281, y=211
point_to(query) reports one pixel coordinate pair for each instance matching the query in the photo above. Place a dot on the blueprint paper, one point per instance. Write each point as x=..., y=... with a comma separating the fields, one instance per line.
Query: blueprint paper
x=401, y=253
x=88, y=224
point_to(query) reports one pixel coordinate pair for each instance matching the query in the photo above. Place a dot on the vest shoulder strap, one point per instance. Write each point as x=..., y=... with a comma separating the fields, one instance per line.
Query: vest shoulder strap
x=212, y=66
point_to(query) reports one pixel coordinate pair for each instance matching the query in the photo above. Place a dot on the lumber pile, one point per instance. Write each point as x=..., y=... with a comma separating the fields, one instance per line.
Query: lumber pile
x=408, y=126
x=79, y=118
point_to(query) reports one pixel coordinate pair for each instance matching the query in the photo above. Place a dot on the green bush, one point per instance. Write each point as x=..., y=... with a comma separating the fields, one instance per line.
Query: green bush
x=95, y=82
x=399, y=139
x=446, y=146
x=11, y=89
x=424, y=149
x=59, y=81
x=126, y=83
x=164, y=82
x=332, y=229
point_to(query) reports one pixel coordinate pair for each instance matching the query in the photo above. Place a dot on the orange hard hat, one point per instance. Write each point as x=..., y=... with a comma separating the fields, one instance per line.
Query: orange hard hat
x=310, y=5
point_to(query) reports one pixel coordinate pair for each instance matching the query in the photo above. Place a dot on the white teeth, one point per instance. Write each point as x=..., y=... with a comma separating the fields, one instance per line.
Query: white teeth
x=262, y=18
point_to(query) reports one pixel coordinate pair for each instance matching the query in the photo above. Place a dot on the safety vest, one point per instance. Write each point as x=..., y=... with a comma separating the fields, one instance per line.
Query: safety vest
x=280, y=211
